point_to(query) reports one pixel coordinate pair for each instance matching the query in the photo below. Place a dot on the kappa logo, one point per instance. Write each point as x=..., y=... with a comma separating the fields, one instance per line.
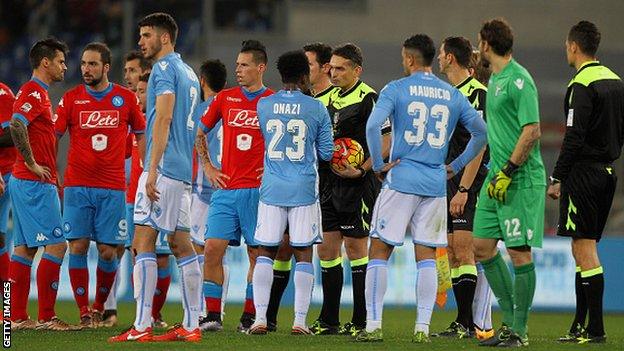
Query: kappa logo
x=163, y=65
x=40, y=237
x=3, y=92
x=519, y=83
x=36, y=95
x=81, y=102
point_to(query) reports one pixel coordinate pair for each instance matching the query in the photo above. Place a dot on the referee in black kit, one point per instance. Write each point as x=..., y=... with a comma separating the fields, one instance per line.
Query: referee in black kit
x=584, y=179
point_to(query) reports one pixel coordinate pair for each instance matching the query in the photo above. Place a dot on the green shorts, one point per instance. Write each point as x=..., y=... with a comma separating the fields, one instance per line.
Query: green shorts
x=519, y=221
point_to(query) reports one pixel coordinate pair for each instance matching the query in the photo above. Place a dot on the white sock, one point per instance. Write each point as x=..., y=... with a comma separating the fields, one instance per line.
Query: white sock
x=145, y=276
x=426, y=289
x=304, y=283
x=482, y=304
x=262, y=281
x=226, y=285
x=376, y=285
x=111, y=301
x=202, y=301
x=190, y=284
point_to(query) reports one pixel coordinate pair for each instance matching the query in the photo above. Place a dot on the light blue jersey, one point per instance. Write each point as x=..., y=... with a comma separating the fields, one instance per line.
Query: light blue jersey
x=201, y=184
x=170, y=75
x=423, y=111
x=297, y=131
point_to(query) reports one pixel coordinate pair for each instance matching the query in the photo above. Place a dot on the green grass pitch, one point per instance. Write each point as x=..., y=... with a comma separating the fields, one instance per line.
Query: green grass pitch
x=544, y=328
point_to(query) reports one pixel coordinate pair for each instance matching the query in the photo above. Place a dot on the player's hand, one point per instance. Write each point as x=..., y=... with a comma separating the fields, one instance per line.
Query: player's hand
x=554, y=191
x=42, y=172
x=150, y=186
x=381, y=175
x=457, y=204
x=497, y=188
x=215, y=176
x=347, y=171
x=260, y=172
x=449, y=172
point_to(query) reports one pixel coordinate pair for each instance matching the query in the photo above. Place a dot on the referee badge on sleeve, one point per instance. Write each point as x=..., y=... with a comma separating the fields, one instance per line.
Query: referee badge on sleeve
x=570, y=120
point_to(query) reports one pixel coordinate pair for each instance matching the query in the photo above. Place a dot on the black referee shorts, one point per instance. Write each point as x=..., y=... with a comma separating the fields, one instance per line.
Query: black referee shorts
x=464, y=221
x=586, y=198
x=347, y=204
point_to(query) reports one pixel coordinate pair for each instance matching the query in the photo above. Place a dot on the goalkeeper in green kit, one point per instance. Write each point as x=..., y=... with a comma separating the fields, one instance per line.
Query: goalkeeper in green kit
x=511, y=202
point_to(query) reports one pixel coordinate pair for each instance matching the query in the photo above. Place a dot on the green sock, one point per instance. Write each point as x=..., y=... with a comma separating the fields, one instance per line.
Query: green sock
x=525, y=289
x=499, y=278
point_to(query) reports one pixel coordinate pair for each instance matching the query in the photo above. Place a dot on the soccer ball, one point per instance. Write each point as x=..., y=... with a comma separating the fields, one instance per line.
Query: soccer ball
x=347, y=149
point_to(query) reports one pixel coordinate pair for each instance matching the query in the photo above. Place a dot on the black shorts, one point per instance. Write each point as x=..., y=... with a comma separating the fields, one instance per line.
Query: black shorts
x=586, y=198
x=466, y=220
x=347, y=204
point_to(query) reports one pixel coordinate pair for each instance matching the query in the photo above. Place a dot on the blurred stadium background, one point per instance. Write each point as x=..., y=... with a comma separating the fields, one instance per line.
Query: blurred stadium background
x=215, y=28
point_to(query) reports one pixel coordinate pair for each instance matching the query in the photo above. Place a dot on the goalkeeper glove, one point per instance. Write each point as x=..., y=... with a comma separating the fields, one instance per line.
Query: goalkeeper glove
x=497, y=189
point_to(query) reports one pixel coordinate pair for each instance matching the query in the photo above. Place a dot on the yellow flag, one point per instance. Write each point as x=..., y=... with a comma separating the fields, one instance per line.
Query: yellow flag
x=444, y=276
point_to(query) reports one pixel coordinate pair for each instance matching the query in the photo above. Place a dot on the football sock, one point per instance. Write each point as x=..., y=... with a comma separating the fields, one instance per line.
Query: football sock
x=281, y=275
x=249, y=307
x=145, y=274
x=499, y=278
x=581, y=301
x=466, y=285
x=358, y=284
x=304, y=283
x=190, y=284
x=4, y=263
x=482, y=304
x=47, y=285
x=332, y=278
x=105, y=278
x=376, y=285
x=524, y=289
x=111, y=301
x=262, y=280
x=19, y=274
x=226, y=285
x=202, y=302
x=426, y=291
x=79, y=279
x=162, y=288
x=593, y=285
x=212, y=295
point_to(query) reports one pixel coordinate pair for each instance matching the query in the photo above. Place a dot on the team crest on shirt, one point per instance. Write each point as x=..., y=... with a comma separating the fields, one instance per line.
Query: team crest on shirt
x=57, y=232
x=519, y=83
x=163, y=65
x=99, y=119
x=118, y=101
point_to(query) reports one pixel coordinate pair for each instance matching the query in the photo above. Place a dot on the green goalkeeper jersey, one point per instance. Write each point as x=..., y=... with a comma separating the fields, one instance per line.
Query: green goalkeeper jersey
x=512, y=103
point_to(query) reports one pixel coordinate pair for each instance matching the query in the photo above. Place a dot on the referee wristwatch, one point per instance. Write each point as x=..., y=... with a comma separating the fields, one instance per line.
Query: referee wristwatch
x=553, y=180
x=462, y=189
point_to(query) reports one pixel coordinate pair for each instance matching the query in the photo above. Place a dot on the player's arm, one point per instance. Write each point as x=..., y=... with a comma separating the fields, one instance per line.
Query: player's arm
x=6, y=110
x=325, y=136
x=475, y=125
x=377, y=118
x=19, y=133
x=386, y=139
x=140, y=139
x=137, y=125
x=160, y=135
x=208, y=121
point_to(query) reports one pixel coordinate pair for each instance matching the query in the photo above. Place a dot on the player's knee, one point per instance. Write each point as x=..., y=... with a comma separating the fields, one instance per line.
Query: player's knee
x=107, y=252
x=213, y=253
x=356, y=248
x=78, y=247
x=57, y=250
x=520, y=256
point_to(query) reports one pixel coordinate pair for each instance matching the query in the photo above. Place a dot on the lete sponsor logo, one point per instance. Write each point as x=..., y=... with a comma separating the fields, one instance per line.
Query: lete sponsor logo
x=243, y=119
x=99, y=119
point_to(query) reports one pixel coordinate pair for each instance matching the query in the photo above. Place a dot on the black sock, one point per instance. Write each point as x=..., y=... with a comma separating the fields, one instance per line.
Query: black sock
x=332, y=279
x=466, y=286
x=457, y=293
x=358, y=281
x=280, y=282
x=581, y=304
x=594, y=289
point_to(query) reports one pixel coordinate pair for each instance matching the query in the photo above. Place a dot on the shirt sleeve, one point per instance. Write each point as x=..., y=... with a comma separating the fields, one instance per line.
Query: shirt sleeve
x=164, y=79
x=212, y=114
x=380, y=112
x=470, y=119
x=137, y=119
x=28, y=106
x=480, y=105
x=577, y=123
x=6, y=107
x=60, y=126
x=524, y=94
x=325, y=137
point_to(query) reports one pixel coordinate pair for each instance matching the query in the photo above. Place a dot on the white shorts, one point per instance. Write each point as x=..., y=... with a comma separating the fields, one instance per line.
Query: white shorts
x=396, y=212
x=304, y=225
x=170, y=212
x=199, y=217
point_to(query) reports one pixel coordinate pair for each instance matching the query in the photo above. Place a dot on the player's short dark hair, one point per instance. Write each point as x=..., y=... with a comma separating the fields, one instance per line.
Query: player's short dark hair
x=257, y=50
x=105, y=53
x=424, y=45
x=350, y=52
x=292, y=66
x=322, y=51
x=46, y=48
x=460, y=48
x=145, y=64
x=498, y=34
x=215, y=74
x=481, y=68
x=162, y=21
x=586, y=35
x=144, y=77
